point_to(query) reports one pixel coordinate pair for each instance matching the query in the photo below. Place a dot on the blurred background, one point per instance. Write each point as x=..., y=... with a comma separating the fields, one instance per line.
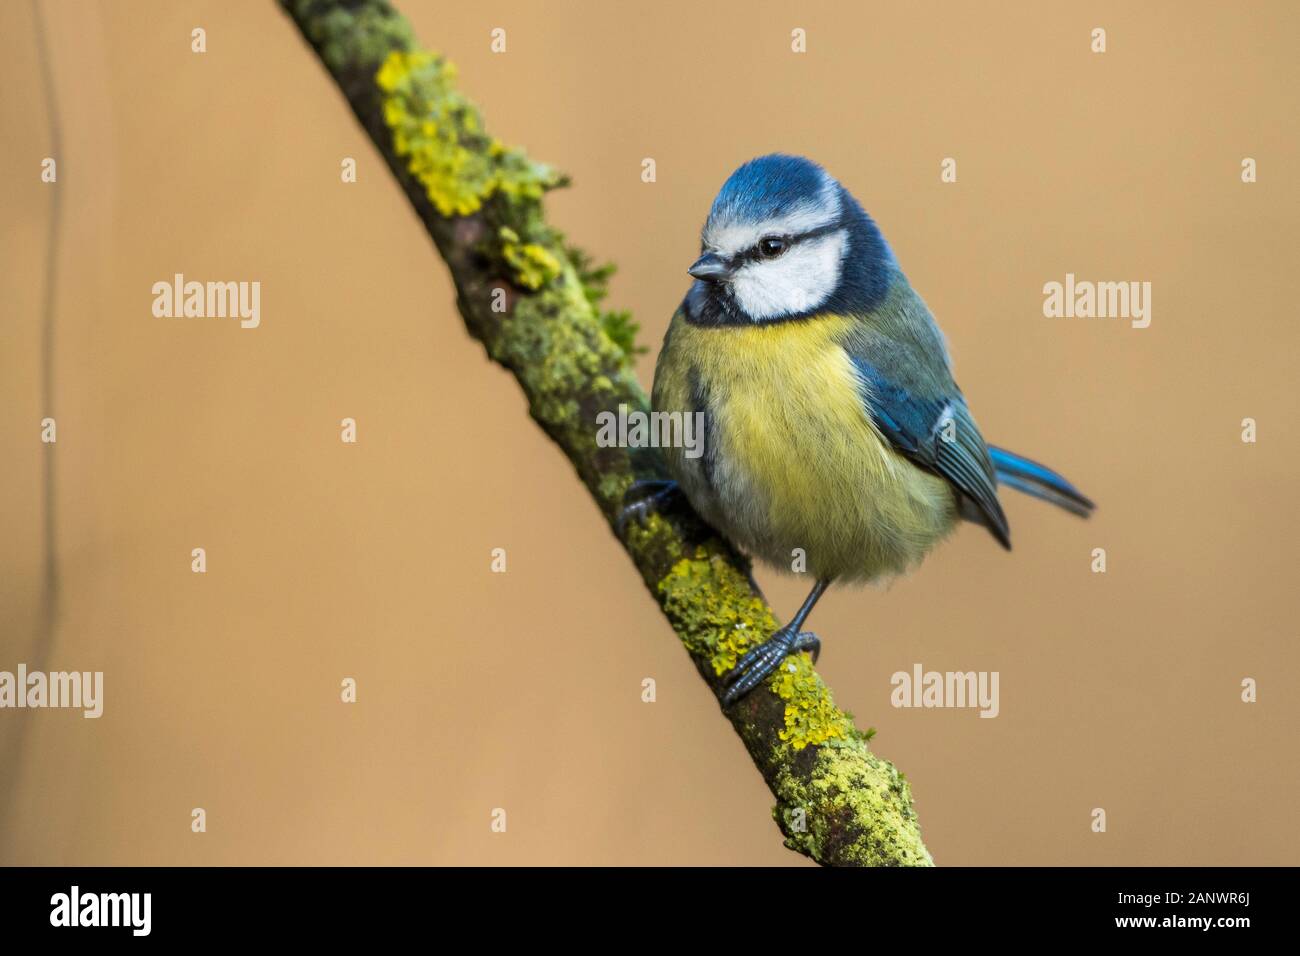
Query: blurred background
x=522, y=690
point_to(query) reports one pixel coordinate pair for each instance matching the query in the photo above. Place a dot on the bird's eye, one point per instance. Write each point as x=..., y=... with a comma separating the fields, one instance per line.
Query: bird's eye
x=769, y=247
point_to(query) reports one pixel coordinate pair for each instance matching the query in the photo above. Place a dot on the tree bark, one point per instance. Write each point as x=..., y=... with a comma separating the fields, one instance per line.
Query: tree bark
x=532, y=301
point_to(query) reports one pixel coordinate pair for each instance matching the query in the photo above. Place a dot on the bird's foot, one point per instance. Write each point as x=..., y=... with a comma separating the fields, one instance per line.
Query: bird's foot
x=647, y=496
x=760, y=661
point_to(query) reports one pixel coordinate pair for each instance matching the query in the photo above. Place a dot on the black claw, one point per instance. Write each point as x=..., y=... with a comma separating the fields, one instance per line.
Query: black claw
x=661, y=493
x=760, y=661
x=808, y=641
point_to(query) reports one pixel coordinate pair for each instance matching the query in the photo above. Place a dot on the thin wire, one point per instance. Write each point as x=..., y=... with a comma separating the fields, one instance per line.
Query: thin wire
x=48, y=323
x=45, y=624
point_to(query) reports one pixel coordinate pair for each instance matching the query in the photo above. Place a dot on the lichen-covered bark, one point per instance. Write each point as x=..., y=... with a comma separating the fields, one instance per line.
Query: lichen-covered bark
x=532, y=301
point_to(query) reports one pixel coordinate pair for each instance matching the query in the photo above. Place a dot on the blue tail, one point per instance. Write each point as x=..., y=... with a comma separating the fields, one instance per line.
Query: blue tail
x=1039, y=481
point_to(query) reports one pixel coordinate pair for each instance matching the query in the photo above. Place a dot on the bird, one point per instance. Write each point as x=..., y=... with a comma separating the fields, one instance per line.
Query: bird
x=834, y=432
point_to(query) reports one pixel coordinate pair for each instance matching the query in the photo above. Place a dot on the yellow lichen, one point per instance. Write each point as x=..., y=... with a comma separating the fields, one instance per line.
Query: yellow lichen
x=438, y=132
x=811, y=716
x=849, y=783
x=462, y=169
x=718, y=616
x=712, y=607
x=533, y=265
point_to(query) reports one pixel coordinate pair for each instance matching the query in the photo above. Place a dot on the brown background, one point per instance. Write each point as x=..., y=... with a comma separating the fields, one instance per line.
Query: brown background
x=522, y=690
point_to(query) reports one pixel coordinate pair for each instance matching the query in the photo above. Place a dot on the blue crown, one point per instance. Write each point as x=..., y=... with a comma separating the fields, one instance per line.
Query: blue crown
x=767, y=187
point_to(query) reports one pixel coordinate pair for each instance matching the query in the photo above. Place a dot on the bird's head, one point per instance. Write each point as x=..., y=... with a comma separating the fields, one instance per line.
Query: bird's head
x=783, y=241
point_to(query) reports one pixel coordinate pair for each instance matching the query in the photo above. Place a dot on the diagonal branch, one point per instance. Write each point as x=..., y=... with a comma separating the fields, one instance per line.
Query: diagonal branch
x=533, y=303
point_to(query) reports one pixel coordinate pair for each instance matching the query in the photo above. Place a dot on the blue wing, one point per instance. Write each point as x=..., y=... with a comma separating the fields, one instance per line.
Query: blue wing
x=937, y=433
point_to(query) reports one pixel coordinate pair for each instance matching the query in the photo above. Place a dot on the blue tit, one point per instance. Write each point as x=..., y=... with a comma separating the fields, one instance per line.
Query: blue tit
x=832, y=423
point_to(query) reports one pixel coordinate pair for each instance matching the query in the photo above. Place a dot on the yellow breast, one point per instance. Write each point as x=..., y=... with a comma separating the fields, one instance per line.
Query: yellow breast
x=792, y=459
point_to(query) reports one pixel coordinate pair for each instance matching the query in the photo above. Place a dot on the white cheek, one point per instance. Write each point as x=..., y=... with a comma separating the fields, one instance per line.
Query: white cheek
x=798, y=281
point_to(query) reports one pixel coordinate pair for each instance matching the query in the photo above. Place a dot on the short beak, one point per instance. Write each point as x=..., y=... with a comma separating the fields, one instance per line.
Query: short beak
x=710, y=267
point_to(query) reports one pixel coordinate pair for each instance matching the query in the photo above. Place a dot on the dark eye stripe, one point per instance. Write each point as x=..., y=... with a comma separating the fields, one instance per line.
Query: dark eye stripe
x=752, y=254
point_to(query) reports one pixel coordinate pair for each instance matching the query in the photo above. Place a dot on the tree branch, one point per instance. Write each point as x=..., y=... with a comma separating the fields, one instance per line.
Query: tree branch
x=533, y=303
